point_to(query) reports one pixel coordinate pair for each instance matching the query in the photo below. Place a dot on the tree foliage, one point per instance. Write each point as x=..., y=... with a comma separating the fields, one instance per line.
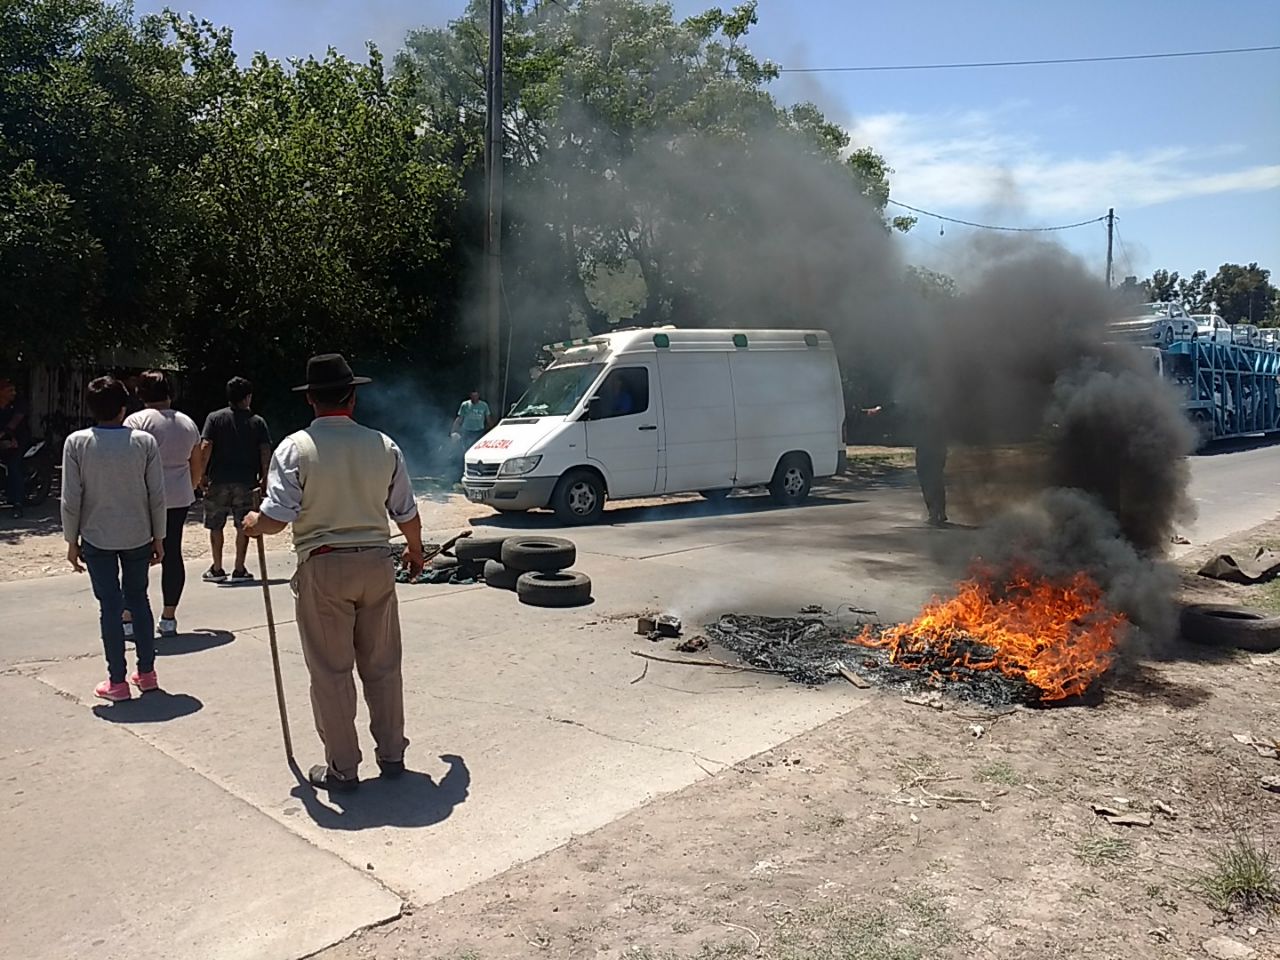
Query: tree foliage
x=1240, y=294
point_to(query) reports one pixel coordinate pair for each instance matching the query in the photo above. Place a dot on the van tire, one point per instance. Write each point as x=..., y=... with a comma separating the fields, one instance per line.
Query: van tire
x=538, y=554
x=477, y=551
x=791, y=480
x=497, y=575
x=567, y=588
x=578, y=498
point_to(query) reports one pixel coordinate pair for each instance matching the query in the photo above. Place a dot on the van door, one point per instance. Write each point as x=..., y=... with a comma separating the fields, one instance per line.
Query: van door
x=701, y=432
x=624, y=429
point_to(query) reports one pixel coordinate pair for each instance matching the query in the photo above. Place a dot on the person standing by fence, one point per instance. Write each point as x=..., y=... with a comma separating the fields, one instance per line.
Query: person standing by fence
x=113, y=519
x=179, y=441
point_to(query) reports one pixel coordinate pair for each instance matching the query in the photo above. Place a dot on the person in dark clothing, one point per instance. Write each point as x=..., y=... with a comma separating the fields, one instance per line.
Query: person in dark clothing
x=15, y=438
x=235, y=448
x=931, y=461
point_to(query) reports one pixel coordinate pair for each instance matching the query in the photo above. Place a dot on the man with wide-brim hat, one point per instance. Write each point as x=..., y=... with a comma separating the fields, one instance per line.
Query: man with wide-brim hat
x=337, y=482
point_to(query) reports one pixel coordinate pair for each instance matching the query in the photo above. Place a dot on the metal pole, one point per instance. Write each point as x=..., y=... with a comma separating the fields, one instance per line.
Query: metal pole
x=493, y=204
x=275, y=650
x=1111, y=229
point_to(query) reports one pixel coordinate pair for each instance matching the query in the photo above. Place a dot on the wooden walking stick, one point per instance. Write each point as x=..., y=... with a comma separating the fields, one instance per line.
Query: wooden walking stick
x=275, y=650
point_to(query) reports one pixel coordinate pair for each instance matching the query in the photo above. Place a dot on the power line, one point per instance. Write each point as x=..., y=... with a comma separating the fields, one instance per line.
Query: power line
x=1031, y=63
x=987, y=226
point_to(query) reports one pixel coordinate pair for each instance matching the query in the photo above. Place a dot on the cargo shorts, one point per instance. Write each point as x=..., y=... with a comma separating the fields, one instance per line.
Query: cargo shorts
x=236, y=499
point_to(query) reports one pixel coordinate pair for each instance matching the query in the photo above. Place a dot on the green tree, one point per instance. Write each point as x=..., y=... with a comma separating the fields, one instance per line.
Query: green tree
x=1162, y=286
x=326, y=207
x=1244, y=294
x=1194, y=292
x=96, y=119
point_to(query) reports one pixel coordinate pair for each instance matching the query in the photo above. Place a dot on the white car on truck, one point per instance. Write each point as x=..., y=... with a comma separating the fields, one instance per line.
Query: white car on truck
x=638, y=413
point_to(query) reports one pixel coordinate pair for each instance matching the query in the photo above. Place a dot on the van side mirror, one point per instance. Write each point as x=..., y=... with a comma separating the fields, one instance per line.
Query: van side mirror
x=594, y=406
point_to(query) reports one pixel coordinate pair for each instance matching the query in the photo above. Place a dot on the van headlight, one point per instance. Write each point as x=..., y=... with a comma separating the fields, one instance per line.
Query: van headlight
x=518, y=466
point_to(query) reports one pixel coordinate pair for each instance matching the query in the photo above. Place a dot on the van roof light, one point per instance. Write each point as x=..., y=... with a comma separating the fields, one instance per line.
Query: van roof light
x=811, y=339
x=739, y=339
x=661, y=340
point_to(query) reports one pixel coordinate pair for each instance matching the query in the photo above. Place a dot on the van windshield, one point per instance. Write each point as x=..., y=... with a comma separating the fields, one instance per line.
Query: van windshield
x=557, y=391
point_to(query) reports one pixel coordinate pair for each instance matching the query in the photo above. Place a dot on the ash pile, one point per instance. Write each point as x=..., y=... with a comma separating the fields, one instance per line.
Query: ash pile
x=817, y=647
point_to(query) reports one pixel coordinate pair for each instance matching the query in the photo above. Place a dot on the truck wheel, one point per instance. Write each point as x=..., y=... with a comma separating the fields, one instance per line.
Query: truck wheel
x=567, y=588
x=477, y=551
x=578, y=498
x=1204, y=429
x=538, y=554
x=497, y=575
x=791, y=480
x=1226, y=626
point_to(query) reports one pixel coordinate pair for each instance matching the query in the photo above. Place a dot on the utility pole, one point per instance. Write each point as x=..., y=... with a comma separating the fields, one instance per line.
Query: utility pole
x=493, y=207
x=1111, y=230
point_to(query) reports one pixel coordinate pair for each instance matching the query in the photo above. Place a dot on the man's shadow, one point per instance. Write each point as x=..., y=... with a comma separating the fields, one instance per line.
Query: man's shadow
x=413, y=800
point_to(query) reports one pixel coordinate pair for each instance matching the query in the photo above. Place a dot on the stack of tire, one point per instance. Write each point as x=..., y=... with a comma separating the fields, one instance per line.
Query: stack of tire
x=536, y=568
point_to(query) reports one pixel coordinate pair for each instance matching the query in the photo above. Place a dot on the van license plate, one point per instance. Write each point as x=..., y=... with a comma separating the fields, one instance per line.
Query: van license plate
x=477, y=496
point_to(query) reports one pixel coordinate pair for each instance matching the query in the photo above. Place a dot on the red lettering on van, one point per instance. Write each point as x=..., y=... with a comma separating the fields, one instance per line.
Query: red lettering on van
x=493, y=444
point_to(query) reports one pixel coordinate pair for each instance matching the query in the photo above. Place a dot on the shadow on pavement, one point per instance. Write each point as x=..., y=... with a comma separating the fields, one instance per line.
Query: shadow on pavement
x=193, y=642
x=682, y=510
x=1239, y=445
x=154, y=707
x=414, y=800
x=273, y=582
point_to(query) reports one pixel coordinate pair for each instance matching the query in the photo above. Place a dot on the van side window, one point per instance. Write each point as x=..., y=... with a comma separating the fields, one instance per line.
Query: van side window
x=624, y=392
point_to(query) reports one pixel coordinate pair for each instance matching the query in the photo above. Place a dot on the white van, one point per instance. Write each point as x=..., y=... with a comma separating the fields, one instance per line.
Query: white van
x=661, y=410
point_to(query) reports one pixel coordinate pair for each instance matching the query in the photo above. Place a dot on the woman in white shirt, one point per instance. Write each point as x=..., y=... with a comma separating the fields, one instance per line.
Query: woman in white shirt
x=179, y=441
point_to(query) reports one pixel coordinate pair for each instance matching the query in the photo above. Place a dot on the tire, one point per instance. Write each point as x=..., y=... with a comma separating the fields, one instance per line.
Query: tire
x=1168, y=336
x=538, y=554
x=496, y=575
x=1225, y=626
x=791, y=480
x=715, y=496
x=578, y=498
x=567, y=588
x=442, y=562
x=477, y=551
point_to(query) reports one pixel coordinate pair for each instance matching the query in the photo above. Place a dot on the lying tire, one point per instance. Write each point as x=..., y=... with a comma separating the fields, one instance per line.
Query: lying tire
x=568, y=588
x=477, y=551
x=538, y=554
x=442, y=561
x=1226, y=626
x=496, y=575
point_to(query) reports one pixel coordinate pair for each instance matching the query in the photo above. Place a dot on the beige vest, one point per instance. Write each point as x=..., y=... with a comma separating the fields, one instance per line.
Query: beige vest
x=345, y=471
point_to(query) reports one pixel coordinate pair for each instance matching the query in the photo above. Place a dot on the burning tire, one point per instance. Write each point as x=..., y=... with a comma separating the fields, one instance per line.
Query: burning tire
x=1226, y=626
x=478, y=551
x=568, y=588
x=538, y=554
x=442, y=561
x=497, y=575
x=791, y=480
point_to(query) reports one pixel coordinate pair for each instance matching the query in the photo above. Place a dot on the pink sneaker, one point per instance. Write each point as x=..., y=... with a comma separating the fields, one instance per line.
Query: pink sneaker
x=112, y=691
x=145, y=681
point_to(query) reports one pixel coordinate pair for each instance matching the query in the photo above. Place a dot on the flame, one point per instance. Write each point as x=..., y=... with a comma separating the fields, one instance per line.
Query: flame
x=1057, y=636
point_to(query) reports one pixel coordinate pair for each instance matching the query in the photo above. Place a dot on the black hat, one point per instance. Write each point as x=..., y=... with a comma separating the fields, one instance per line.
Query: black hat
x=329, y=370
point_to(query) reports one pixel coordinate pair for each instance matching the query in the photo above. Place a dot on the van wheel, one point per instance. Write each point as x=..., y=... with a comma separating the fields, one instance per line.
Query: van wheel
x=578, y=498
x=791, y=480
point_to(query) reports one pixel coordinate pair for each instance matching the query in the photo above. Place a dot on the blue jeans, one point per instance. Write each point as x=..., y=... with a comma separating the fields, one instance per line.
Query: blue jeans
x=119, y=579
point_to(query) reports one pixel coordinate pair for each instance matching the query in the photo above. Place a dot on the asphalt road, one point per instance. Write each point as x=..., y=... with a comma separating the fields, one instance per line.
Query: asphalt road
x=528, y=726
x=1233, y=488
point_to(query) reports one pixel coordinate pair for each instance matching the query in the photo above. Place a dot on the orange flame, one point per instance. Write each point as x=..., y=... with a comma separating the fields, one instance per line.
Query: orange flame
x=1059, y=637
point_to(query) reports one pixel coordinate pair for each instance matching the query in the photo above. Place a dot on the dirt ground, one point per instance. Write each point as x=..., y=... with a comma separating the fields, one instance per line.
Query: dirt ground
x=900, y=832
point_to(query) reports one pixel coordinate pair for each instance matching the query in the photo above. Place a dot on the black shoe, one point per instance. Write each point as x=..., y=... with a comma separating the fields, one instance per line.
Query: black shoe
x=214, y=575
x=391, y=769
x=240, y=576
x=319, y=776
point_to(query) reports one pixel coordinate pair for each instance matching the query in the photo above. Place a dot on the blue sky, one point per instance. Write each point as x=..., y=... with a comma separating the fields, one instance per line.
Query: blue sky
x=1187, y=151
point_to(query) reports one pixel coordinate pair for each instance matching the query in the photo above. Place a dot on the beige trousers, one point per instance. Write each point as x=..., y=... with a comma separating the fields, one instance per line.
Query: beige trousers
x=348, y=618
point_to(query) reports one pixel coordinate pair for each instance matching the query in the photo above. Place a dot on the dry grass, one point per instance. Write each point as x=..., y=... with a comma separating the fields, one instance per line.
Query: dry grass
x=1097, y=850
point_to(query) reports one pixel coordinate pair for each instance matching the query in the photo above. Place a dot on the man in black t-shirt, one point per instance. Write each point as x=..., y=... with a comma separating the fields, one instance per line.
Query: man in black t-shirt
x=235, y=448
x=15, y=438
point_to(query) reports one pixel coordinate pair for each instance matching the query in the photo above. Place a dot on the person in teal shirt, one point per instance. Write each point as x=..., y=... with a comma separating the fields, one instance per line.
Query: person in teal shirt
x=473, y=419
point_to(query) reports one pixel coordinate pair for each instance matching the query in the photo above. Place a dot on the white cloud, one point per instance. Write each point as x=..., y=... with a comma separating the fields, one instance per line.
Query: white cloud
x=976, y=160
